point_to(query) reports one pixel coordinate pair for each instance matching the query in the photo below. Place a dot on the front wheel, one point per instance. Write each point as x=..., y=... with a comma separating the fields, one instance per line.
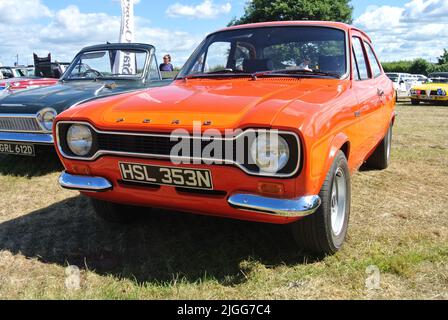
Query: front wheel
x=324, y=232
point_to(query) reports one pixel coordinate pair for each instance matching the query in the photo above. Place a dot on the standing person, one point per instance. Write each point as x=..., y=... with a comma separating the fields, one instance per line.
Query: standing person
x=166, y=65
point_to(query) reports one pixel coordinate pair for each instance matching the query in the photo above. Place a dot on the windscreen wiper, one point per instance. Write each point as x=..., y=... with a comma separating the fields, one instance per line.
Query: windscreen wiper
x=290, y=72
x=227, y=72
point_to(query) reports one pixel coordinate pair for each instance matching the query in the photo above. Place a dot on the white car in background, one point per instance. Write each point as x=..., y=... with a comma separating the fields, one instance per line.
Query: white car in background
x=403, y=82
x=420, y=78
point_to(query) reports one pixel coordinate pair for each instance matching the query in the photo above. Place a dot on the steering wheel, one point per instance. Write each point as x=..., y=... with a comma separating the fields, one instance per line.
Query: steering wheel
x=95, y=72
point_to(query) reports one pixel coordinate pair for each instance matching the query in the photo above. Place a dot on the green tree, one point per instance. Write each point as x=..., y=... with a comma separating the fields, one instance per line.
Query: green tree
x=286, y=10
x=420, y=66
x=444, y=57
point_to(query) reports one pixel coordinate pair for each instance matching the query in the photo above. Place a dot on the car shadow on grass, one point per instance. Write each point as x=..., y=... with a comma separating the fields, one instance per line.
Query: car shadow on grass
x=45, y=162
x=160, y=247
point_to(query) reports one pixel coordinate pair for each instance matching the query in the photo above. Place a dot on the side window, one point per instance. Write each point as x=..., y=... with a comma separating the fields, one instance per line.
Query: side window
x=360, y=59
x=375, y=65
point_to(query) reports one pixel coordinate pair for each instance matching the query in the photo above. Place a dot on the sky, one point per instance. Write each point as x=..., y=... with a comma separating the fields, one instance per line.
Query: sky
x=400, y=29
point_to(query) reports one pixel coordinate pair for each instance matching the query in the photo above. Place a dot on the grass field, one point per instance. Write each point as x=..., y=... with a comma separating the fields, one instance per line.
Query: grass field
x=399, y=224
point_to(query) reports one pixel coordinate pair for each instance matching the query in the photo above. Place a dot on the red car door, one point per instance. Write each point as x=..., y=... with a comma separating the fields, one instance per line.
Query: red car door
x=383, y=85
x=370, y=95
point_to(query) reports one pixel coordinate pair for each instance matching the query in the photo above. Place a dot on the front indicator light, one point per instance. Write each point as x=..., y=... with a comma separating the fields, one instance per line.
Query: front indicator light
x=271, y=188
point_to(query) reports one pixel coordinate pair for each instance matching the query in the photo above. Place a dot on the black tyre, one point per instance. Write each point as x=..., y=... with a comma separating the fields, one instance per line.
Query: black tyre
x=380, y=158
x=116, y=213
x=324, y=232
x=415, y=102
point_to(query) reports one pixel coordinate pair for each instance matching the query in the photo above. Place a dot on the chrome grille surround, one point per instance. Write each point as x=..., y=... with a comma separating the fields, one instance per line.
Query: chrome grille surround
x=297, y=165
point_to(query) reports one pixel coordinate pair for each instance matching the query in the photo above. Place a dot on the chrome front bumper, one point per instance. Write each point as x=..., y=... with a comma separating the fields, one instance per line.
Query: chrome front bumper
x=299, y=207
x=22, y=137
x=84, y=183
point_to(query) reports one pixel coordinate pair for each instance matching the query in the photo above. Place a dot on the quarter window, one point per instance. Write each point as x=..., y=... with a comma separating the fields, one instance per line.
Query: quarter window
x=153, y=74
x=360, y=59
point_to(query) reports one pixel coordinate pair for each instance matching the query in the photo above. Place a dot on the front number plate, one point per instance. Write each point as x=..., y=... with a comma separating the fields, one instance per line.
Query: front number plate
x=17, y=149
x=179, y=177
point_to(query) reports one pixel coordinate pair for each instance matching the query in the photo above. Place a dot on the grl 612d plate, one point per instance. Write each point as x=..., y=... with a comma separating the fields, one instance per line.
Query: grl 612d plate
x=170, y=176
x=17, y=149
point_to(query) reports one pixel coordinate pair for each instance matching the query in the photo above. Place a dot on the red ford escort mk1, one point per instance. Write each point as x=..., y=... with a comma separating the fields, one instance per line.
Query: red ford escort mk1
x=265, y=122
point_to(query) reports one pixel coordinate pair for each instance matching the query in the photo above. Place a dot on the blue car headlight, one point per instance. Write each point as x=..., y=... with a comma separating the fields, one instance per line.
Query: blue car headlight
x=441, y=92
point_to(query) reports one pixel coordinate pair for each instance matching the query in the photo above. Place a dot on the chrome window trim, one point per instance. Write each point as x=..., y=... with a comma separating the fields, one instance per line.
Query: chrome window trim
x=100, y=153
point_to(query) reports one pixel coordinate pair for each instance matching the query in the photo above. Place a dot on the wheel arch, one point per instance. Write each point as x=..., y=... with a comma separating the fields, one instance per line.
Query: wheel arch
x=340, y=142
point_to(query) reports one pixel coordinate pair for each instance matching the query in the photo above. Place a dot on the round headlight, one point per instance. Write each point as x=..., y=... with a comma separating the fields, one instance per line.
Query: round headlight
x=46, y=118
x=79, y=139
x=270, y=153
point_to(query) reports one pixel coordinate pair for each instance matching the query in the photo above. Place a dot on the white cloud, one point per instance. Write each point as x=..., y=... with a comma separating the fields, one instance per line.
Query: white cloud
x=64, y=32
x=418, y=29
x=425, y=10
x=204, y=10
x=380, y=18
x=22, y=11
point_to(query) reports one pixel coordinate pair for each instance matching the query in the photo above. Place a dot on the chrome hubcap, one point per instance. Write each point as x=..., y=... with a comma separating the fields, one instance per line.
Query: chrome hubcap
x=338, y=202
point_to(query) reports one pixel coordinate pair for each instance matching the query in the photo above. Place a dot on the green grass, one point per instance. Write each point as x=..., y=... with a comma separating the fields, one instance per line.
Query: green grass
x=399, y=224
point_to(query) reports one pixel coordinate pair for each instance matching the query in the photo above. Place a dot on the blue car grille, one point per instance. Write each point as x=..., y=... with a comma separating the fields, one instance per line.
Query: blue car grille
x=19, y=124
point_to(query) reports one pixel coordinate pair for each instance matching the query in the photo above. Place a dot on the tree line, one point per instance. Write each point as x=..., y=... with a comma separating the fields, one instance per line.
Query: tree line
x=418, y=66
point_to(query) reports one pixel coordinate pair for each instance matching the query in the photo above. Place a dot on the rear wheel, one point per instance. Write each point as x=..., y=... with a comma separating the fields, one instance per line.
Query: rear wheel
x=415, y=102
x=380, y=158
x=116, y=213
x=324, y=232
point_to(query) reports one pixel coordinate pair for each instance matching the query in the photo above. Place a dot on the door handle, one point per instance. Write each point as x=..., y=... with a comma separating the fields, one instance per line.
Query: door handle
x=380, y=92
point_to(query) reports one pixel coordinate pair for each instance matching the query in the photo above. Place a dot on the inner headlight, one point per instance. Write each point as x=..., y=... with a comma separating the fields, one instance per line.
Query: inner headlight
x=46, y=118
x=270, y=152
x=79, y=139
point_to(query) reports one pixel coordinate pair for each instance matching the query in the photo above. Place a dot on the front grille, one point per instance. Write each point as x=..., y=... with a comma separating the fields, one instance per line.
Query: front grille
x=23, y=124
x=136, y=144
x=156, y=145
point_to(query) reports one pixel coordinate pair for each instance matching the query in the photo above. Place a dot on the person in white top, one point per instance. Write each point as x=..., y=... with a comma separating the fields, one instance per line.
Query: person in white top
x=305, y=64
